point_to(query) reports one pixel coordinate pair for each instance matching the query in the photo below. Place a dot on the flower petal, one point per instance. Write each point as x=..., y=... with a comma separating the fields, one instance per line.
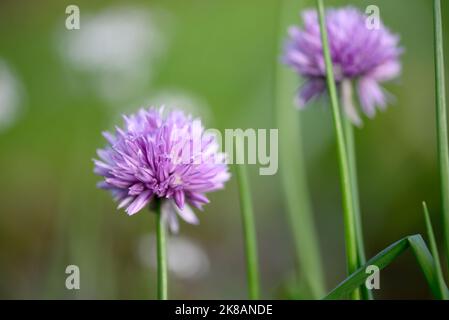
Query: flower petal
x=169, y=215
x=136, y=189
x=310, y=90
x=386, y=71
x=139, y=202
x=370, y=95
x=348, y=103
x=123, y=203
x=187, y=214
x=179, y=198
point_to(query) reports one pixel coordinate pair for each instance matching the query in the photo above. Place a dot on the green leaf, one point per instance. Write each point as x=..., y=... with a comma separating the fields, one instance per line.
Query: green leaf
x=292, y=166
x=433, y=247
x=441, y=121
x=387, y=256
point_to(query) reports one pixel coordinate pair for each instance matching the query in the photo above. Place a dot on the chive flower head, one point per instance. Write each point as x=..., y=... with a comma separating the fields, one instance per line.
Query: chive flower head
x=168, y=158
x=362, y=55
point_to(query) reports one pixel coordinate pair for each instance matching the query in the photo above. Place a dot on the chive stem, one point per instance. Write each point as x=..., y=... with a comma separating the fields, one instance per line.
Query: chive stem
x=249, y=232
x=349, y=213
x=161, y=255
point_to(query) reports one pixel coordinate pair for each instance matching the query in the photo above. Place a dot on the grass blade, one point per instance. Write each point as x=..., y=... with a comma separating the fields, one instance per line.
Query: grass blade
x=435, y=254
x=387, y=256
x=249, y=231
x=442, y=135
x=292, y=167
x=349, y=214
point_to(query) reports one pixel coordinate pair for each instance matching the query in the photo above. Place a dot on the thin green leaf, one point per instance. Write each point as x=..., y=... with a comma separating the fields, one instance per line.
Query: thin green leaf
x=292, y=167
x=442, y=133
x=435, y=254
x=387, y=256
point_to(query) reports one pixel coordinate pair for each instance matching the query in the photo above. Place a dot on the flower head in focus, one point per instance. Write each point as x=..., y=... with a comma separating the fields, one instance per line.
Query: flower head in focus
x=361, y=55
x=168, y=158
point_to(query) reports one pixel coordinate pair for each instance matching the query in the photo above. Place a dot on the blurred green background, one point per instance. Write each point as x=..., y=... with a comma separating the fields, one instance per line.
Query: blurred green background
x=216, y=58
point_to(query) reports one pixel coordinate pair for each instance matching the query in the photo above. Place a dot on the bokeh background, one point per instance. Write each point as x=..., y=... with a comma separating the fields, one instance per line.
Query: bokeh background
x=217, y=59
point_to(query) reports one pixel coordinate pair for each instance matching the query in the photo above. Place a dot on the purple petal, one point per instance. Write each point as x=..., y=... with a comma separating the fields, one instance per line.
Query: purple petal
x=136, y=189
x=310, y=90
x=179, y=199
x=370, y=95
x=199, y=197
x=348, y=103
x=139, y=202
x=125, y=202
x=187, y=214
x=109, y=137
x=119, y=183
x=386, y=71
x=169, y=215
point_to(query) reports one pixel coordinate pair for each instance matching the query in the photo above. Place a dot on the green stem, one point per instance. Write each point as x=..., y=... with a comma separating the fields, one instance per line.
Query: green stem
x=346, y=183
x=292, y=168
x=442, y=135
x=349, y=134
x=249, y=232
x=161, y=256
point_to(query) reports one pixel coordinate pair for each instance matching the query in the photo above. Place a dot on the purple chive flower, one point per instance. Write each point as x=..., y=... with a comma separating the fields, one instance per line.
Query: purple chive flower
x=169, y=158
x=361, y=55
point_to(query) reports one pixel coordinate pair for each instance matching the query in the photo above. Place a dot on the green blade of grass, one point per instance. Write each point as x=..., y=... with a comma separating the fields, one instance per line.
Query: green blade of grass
x=249, y=231
x=442, y=135
x=387, y=256
x=292, y=167
x=349, y=214
x=426, y=263
x=435, y=254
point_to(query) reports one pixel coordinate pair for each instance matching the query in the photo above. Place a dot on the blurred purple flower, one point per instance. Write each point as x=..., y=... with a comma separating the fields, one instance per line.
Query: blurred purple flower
x=367, y=56
x=164, y=158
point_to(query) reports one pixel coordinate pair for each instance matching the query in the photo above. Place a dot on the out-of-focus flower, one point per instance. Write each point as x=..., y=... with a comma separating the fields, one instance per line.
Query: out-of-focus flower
x=164, y=158
x=10, y=91
x=186, y=258
x=363, y=55
x=118, y=47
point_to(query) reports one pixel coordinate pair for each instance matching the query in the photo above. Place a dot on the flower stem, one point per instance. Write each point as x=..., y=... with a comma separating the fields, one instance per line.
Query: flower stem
x=292, y=168
x=249, y=232
x=161, y=256
x=346, y=182
x=441, y=119
x=349, y=134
